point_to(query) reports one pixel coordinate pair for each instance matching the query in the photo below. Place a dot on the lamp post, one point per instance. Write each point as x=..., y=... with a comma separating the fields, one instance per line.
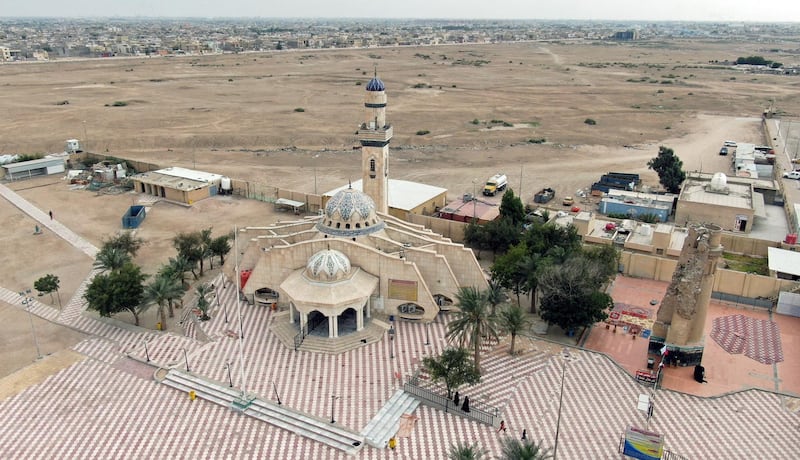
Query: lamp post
x=230, y=378
x=85, y=138
x=474, y=202
x=333, y=398
x=427, y=333
x=565, y=357
x=146, y=352
x=391, y=341
x=277, y=396
x=186, y=360
x=27, y=302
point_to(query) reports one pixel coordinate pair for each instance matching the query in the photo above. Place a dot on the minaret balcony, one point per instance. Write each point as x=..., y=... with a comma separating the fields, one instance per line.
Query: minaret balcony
x=379, y=135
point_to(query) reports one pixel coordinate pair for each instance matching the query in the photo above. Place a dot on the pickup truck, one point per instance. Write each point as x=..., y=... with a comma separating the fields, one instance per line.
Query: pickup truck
x=544, y=195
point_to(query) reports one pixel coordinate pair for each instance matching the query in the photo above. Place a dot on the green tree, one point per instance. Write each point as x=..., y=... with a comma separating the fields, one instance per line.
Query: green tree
x=117, y=291
x=461, y=451
x=125, y=241
x=514, y=449
x=189, y=246
x=476, y=237
x=472, y=322
x=161, y=291
x=205, y=248
x=513, y=321
x=111, y=259
x=669, y=169
x=507, y=271
x=571, y=296
x=501, y=234
x=202, y=292
x=177, y=268
x=511, y=208
x=220, y=247
x=47, y=285
x=453, y=367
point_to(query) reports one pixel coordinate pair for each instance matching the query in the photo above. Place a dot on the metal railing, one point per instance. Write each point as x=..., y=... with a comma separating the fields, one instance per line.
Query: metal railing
x=478, y=411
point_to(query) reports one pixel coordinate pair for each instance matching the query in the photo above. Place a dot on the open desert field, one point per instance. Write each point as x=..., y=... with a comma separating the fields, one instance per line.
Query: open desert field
x=239, y=115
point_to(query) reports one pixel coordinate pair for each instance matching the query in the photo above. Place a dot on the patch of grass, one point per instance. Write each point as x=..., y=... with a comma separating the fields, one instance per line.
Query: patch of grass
x=475, y=122
x=420, y=85
x=747, y=264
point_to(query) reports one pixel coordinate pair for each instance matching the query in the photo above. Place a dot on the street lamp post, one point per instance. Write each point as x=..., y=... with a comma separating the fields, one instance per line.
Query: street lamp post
x=230, y=378
x=186, y=360
x=85, y=138
x=277, y=396
x=27, y=302
x=427, y=333
x=565, y=358
x=474, y=202
x=391, y=341
x=146, y=352
x=333, y=398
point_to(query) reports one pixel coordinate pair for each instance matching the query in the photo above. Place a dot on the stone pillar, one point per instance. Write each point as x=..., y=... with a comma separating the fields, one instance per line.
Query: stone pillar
x=360, y=317
x=291, y=312
x=331, y=327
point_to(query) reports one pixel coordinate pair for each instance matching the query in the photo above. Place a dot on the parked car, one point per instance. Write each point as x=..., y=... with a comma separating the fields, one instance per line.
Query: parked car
x=792, y=175
x=568, y=201
x=730, y=144
x=723, y=151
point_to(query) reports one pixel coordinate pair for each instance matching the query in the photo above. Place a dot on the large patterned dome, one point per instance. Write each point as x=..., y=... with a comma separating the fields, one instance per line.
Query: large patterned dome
x=350, y=213
x=328, y=265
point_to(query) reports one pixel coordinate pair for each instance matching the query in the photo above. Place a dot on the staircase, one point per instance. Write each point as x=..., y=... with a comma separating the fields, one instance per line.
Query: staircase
x=387, y=421
x=373, y=331
x=291, y=420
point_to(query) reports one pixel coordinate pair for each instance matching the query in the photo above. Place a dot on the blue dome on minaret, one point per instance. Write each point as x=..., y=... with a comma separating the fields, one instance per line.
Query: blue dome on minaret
x=375, y=85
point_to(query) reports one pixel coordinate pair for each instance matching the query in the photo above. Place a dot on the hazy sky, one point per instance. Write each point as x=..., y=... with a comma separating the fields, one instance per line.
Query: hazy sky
x=690, y=10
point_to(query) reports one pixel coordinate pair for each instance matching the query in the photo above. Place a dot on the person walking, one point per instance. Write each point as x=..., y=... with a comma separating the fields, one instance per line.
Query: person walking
x=51, y=215
x=392, y=443
x=502, y=426
x=524, y=435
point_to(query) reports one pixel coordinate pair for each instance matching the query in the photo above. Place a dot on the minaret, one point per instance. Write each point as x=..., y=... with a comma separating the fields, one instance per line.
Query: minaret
x=374, y=134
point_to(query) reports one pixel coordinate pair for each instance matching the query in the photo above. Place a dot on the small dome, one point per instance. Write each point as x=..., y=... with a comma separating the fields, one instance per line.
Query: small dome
x=350, y=213
x=328, y=265
x=376, y=85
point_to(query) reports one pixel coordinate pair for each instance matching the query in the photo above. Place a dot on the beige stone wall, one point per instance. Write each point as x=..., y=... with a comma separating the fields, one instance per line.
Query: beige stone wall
x=726, y=281
x=724, y=216
x=742, y=245
x=447, y=228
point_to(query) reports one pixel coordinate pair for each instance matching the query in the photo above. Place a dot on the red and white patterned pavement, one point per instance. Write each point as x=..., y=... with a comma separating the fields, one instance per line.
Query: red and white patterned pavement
x=108, y=406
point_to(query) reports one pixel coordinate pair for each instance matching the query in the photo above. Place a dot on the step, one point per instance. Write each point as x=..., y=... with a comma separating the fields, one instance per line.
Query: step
x=277, y=415
x=386, y=422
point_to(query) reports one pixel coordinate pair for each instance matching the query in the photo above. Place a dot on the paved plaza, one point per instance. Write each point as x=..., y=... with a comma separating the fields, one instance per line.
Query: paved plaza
x=109, y=405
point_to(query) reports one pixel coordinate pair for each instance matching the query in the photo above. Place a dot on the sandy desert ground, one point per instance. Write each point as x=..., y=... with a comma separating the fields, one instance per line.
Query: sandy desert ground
x=236, y=115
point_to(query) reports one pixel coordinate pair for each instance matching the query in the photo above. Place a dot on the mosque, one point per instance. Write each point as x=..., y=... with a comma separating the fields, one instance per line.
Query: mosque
x=334, y=271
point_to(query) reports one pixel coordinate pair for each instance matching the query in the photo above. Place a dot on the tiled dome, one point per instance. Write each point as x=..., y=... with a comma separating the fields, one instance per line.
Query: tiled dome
x=328, y=265
x=376, y=85
x=350, y=213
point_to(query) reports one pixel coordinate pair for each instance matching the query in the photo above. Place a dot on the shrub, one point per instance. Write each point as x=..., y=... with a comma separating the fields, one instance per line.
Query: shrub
x=475, y=122
x=299, y=109
x=590, y=121
x=537, y=140
x=422, y=132
x=65, y=102
x=419, y=85
x=119, y=104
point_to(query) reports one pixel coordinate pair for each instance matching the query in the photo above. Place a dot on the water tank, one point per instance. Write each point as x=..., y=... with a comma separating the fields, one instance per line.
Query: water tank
x=791, y=238
x=225, y=185
x=719, y=181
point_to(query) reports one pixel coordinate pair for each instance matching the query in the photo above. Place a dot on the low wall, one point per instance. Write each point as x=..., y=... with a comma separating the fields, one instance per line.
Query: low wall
x=445, y=227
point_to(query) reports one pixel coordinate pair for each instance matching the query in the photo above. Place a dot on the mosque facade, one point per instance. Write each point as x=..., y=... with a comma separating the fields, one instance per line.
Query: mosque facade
x=334, y=271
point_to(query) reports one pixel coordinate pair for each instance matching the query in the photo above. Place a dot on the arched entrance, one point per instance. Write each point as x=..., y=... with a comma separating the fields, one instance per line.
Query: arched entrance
x=266, y=297
x=317, y=324
x=347, y=322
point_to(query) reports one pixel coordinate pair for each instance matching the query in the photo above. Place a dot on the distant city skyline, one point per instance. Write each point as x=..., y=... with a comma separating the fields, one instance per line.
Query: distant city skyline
x=622, y=10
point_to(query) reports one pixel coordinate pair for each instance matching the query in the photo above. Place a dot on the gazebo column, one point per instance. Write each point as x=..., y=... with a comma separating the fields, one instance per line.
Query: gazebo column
x=332, y=332
x=360, y=317
x=291, y=312
x=303, y=319
x=369, y=307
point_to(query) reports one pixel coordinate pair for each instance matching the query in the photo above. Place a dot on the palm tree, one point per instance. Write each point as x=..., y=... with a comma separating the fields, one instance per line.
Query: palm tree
x=111, y=259
x=466, y=452
x=178, y=266
x=514, y=449
x=495, y=294
x=220, y=246
x=159, y=292
x=202, y=303
x=473, y=321
x=513, y=321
